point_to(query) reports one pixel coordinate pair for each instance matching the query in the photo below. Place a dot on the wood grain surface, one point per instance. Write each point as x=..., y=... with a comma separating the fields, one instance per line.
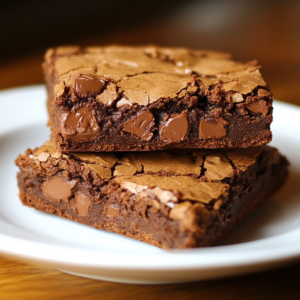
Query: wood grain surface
x=25, y=281
x=270, y=32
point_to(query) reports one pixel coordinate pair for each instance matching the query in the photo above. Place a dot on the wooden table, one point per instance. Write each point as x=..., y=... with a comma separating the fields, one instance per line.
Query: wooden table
x=276, y=44
x=26, y=281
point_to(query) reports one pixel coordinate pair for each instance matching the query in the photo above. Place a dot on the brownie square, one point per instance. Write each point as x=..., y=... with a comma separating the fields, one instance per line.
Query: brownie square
x=152, y=98
x=170, y=199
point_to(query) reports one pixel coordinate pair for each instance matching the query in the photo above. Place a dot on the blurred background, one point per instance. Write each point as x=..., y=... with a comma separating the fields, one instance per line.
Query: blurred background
x=266, y=30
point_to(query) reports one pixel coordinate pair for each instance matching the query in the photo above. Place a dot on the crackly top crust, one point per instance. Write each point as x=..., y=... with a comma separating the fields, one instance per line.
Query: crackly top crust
x=143, y=75
x=171, y=177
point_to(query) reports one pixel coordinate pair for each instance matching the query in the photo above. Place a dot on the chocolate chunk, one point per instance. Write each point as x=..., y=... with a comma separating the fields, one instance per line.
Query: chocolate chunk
x=259, y=107
x=57, y=189
x=212, y=129
x=80, y=125
x=141, y=125
x=83, y=84
x=175, y=128
x=82, y=204
x=112, y=211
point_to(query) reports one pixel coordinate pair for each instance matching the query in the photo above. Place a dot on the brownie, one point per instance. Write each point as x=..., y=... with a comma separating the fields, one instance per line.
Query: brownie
x=151, y=98
x=170, y=199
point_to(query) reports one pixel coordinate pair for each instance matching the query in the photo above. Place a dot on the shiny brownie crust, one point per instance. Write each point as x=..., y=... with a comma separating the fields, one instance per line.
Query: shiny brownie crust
x=152, y=98
x=181, y=199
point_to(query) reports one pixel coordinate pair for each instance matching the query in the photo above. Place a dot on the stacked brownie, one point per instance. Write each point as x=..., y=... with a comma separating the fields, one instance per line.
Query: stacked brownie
x=164, y=145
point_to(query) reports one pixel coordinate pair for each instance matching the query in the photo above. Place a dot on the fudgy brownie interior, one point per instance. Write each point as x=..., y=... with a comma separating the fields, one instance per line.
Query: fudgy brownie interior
x=151, y=98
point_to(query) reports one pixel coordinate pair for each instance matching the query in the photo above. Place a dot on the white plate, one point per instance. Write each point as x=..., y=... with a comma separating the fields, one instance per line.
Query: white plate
x=267, y=238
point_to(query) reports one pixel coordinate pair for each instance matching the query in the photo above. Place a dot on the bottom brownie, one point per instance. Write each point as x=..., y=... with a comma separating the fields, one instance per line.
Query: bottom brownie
x=174, y=199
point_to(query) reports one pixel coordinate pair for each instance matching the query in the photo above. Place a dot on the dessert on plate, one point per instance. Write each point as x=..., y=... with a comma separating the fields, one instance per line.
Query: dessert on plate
x=171, y=199
x=163, y=145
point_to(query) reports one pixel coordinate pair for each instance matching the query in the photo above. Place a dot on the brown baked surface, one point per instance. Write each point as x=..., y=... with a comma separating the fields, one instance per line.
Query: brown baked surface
x=175, y=199
x=151, y=98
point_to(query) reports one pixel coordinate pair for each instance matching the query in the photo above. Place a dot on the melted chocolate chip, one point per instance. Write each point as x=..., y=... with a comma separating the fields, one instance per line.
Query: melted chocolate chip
x=82, y=204
x=141, y=125
x=259, y=107
x=80, y=125
x=83, y=84
x=175, y=128
x=57, y=189
x=112, y=211
x=212, y=129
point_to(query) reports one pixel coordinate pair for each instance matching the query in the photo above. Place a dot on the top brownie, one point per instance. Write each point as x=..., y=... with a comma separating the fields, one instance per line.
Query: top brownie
x=151, y=98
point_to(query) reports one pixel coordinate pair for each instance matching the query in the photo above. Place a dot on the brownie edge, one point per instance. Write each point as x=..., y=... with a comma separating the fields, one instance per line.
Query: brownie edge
x=118, y=98
x=170, y=199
